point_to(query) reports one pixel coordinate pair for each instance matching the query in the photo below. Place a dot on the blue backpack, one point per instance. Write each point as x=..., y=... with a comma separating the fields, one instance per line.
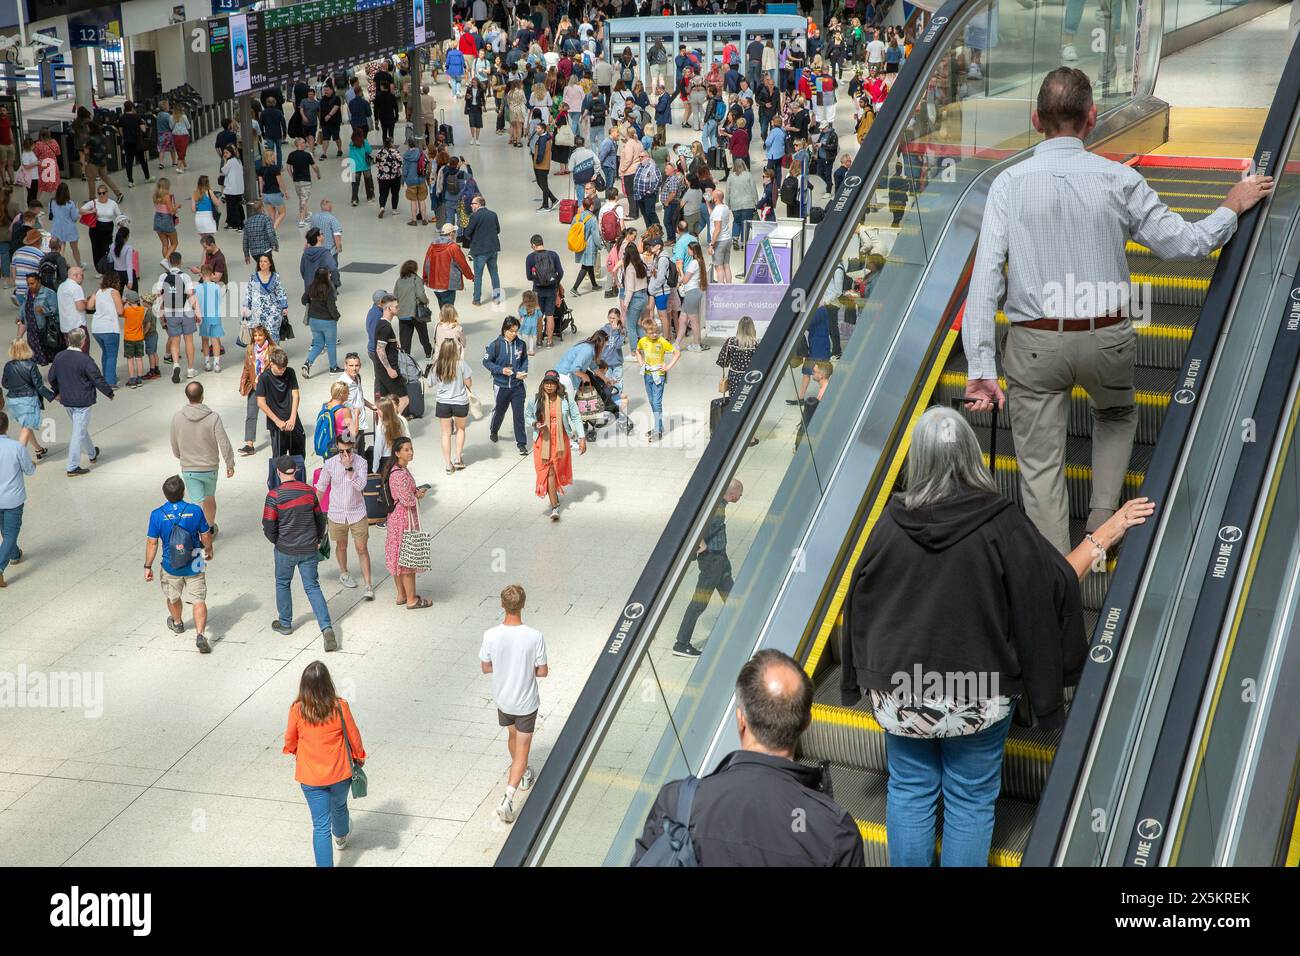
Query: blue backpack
x=323, y=438
x=182, y=545
x=674, y=846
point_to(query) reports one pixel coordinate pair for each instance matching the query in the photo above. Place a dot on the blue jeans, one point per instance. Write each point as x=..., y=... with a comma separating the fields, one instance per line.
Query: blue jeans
x=307, y=570
x=80, y=436
x=968, y=771
x=655, y=395
x=277, y=145
x=324, y=338
x=647, y=204
x=738, y=219
x=11, y=522
x=109, y=345
x=329, y=813
x=709, y=139
x=634, y=307
x=1073, y=14
x=488, y=264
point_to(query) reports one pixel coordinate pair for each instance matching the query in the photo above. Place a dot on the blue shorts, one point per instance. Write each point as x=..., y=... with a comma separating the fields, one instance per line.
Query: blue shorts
x=151, y=343
x=199, y=485
x=211, y=330
x=661, y=302
x=273, y=199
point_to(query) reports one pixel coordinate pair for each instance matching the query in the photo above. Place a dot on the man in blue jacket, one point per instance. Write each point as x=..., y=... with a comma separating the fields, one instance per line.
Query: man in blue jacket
x=507, y=359
x=74, y=378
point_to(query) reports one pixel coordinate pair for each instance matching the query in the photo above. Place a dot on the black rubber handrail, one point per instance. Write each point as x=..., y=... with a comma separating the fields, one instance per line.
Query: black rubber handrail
x=1055, y=805
x=728, y=441
x=1233, y=551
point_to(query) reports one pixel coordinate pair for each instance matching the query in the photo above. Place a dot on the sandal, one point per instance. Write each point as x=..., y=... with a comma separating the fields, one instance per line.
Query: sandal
x=420, y=604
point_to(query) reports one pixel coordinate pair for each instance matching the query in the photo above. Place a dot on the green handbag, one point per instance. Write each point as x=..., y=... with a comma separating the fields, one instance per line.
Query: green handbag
x=359, y=782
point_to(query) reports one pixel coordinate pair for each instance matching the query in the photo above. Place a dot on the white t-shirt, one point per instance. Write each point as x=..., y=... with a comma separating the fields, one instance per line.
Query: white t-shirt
x=105, y=321
x=454, y=392
x=356, y=399
x=70, y=317
x=184, y=288
x=721, y=214
x=689, y=280
x=514, y=651
x=617, y=207
x=876, y=51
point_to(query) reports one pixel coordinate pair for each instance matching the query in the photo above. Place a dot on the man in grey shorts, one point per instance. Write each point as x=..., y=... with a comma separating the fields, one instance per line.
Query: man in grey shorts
x=515, y=655
x=180, y=310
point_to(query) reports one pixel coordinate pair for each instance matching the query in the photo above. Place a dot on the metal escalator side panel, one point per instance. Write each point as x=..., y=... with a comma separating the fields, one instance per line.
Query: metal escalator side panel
x=1061, y=802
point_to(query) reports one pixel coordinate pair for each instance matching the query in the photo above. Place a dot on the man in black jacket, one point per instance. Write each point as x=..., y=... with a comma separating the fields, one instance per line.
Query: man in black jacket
x=483, y=233
x=293, y=521
x=74, y=379
x=760, y=807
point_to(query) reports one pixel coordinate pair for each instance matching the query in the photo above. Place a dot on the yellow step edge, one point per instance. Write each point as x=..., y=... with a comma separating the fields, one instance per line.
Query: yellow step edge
x=1137, y=249
x=878, y=506
x=864, y=720
x=1293, y=854
x=875, y=834
x=1158, y=399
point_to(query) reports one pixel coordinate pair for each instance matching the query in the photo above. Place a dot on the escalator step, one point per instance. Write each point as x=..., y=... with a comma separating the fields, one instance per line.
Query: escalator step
x=1154, y=386
x=863, y=794
x=850, y=736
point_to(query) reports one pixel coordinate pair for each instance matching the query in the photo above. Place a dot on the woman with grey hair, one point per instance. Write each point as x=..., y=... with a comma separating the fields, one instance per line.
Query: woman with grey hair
x=956, y=581
x=742, y=199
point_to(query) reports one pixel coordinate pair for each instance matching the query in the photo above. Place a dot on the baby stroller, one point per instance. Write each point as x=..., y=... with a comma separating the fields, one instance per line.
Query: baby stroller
x=564, y=320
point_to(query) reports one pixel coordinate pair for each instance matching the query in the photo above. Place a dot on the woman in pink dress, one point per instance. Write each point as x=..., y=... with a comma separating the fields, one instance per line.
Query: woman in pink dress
x=406, y=515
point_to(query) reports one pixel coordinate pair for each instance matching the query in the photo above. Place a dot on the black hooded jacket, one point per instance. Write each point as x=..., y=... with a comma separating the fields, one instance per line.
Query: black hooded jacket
x=743, y=811
x=965, y=585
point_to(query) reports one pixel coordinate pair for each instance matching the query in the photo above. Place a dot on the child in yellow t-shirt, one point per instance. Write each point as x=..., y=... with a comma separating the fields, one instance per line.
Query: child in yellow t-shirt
x=133, y=337
x=651, y=350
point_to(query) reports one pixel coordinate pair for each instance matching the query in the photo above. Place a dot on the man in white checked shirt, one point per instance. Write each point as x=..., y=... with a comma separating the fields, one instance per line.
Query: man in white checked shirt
x=1060, y=221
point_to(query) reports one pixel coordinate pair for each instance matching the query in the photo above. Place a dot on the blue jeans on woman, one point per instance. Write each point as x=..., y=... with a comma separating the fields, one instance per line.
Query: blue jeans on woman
x=324, y=338
x=329, y=812
x=967, y=771
x=738, y=219
x=709, y=136
x=654, y=393
x=634, y=308
x=109, y=344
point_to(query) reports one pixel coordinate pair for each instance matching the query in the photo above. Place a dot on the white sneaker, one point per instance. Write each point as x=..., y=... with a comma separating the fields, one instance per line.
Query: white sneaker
x=207, y=364
x=216, y=365
x=342, y=841
x=506, y=809
x=346, y=580
x=527, y=782
x=974, y=72
x=191, y=373
x=1068, y=53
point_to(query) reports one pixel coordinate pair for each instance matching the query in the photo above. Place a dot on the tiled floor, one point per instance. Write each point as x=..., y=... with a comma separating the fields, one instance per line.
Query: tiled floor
x=184, y=766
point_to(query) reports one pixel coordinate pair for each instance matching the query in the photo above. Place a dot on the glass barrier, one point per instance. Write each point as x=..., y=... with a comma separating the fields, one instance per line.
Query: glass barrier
x=1123, y=744
x=1227, y=752
x=968, y=116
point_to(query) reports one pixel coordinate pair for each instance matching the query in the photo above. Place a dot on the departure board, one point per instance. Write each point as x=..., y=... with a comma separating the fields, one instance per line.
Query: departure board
x=276, y=47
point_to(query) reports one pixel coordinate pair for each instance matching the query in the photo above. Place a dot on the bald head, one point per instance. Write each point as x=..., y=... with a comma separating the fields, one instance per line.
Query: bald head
x=1065, y=104
x=774, y=703
x=717, y=196
x=194, y=392
x=734, y=490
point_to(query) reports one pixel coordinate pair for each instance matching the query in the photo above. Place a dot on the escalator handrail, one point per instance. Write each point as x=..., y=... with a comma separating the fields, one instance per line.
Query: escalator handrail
x=1241, y=526
x=730, y=437
x=1057, y=803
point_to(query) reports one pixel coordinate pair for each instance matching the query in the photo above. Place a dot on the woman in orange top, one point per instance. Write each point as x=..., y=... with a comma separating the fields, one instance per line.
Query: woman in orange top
x=554, y=421
x=315, y=736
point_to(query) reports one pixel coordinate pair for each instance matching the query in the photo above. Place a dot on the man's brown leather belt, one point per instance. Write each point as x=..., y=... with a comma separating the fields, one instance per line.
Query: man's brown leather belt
x=1073, y=325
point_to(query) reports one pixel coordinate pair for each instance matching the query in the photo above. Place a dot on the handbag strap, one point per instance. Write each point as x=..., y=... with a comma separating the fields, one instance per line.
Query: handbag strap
x=346, y=742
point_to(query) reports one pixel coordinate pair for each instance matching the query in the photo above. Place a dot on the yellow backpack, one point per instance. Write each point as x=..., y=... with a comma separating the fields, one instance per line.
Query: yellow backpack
x=578, y=232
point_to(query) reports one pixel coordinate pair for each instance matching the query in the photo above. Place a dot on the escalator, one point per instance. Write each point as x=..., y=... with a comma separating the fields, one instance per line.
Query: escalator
x=848, y=738
x=647, y=716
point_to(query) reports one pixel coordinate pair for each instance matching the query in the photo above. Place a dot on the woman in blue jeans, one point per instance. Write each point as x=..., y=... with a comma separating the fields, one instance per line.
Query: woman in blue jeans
x=960, y=612
x=323, y=320
x=657, y=357
x=325, y=756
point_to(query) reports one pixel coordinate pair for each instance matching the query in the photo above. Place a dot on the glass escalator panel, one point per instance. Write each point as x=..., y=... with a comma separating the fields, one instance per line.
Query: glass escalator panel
x=886, y=290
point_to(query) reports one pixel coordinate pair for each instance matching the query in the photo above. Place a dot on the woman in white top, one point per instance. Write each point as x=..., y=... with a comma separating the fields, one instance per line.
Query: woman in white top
x=29, y=170
x=692, y=284
x=450, y=376
x=232, y=187
x=107, y=212
x=389, y=426
x=106, y=325
x=618, y=100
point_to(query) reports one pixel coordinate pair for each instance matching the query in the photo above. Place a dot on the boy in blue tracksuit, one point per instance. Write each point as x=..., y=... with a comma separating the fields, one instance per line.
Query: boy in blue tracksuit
x=507, y=359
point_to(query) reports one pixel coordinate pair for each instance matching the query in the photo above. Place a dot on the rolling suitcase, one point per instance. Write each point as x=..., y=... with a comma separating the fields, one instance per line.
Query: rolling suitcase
x=415, y=392
x=716, y=408
x=376, y=503
x=444, y=129
x=292, y=444
x=568, y=210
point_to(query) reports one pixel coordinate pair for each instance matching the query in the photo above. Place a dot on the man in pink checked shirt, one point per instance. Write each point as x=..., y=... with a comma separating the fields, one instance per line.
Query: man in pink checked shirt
x=343, y=479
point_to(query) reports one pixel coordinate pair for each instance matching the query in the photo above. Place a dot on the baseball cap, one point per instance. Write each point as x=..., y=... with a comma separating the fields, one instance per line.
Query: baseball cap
x=448, y=229
x=551, y=376
x=285, y=465
x=377, y=295
x=346, y=437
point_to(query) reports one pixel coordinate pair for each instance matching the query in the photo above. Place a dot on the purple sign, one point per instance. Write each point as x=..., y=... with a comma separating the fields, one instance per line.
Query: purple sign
x=725, y=304
x=761, y=272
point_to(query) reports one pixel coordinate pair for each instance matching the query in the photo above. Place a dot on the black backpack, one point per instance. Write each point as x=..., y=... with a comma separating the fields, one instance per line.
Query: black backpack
x=671, y=277
x=48, y=271
x=674, y=846
x=789, y=190
x=597, y=109
x=174, y=301
x=544, y=270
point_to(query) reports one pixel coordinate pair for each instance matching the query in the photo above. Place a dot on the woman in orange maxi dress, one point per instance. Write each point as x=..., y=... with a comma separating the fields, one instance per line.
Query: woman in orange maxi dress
x=555, y=423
